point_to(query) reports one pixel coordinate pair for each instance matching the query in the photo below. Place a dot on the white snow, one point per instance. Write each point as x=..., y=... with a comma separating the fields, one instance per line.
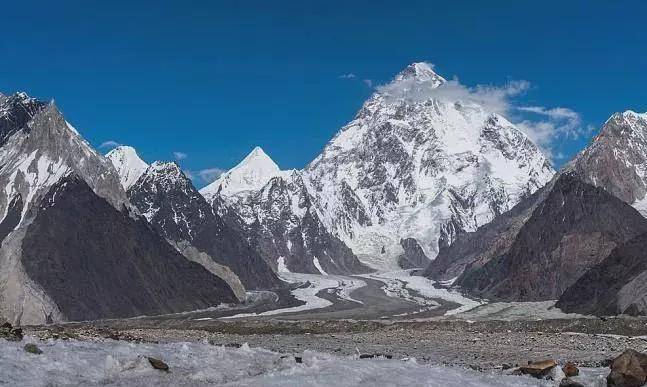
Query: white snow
x=128, y=164
x=120, y=363
x=251, y=174
x=438, y=159
x=281, y=267
x=317, y=264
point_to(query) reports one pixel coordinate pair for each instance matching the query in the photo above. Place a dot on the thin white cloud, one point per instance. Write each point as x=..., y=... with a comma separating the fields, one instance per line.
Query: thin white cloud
x=347, y=76
x=204, y=176
x=180, y=155
x=368, y=82
x=492, y=98
x=547, y=127
x=109, y=144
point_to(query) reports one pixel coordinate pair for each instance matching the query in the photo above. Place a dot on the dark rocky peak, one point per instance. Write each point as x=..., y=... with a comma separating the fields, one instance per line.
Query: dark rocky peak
x=15, y=112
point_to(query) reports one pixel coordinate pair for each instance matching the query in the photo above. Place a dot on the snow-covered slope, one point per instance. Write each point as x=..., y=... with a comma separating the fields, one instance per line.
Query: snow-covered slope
x=409, y=166
x=273, y=208
x=128, y=164
x=251, y=174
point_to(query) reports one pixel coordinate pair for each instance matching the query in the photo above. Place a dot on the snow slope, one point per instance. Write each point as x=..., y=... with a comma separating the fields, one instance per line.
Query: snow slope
x=128, y=164
x=422, y=167
x=251, y=174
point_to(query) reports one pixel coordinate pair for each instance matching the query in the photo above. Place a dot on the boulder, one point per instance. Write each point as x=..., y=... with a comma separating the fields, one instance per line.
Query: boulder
x=538, y=369
x=158, y=364
x=628, y=370
x=32, y=348
x=570, y=369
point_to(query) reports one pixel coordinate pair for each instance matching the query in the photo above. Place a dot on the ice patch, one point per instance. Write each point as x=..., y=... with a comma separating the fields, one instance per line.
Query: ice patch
x=317, y=264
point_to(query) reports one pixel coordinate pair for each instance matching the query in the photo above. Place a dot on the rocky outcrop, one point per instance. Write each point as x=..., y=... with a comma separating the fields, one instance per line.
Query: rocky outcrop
x=170, y=202
x=413, y=257
x=43, y=159
x=615, y=286
x=96, y=262
x=546, y=244
x=616, y=160
x=628, y=370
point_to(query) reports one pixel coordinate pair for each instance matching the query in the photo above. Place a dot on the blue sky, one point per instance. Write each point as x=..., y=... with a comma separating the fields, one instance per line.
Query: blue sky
x=213, y=79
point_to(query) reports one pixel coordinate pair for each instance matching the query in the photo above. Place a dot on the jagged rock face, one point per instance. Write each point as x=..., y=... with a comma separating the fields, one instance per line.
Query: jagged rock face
x=39, y=150
x=413, y=257
x=618, y=285
x=128, y=164
x=96, y=262
x=420, y=167
x=282, y=225
x=547, y=243
x=616, y=160
x=170, y=202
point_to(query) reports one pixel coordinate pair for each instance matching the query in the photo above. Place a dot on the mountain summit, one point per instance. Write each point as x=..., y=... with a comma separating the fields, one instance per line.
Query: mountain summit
x=412, y=165
x=249, y=175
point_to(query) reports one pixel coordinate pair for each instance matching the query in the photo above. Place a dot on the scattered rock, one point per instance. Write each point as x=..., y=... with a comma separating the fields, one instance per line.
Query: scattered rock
x=628, y=370
x=374, y=355
x=566, y=382
x=233, y=345
x=33, y=348
x=570, y=369
x=158, y=364
x=298, y=359
x=8, y=332
x=538, y=369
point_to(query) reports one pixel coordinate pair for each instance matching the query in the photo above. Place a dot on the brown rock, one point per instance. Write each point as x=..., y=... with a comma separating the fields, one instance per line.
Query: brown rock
x=570, y=369
x=538, y=369
x=628, y=370
x=158, y=364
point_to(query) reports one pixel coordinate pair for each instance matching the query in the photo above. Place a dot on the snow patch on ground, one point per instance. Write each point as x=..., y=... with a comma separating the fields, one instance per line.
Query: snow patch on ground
x=119, y=363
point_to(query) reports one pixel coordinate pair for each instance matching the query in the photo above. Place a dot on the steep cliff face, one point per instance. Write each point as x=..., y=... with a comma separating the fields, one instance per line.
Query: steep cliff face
x=40, y=152
x=96, y=262
x=616, y=160
x=417, y=164
x=170, y=202
x=575, y=227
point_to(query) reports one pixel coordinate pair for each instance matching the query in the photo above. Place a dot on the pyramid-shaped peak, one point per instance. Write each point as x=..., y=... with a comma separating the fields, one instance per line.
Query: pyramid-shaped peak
x=250, y=174
x=128, y=164
x=420, y=71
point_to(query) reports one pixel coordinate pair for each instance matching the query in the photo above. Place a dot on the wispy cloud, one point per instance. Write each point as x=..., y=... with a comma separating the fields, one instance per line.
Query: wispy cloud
x=204, y=176
x=545, y=126
x=368, y=82
x=180, y=155
x=347, y=76
x=109, y=144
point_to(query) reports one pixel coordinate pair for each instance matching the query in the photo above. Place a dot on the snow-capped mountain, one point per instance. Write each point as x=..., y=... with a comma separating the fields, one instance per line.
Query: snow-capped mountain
x=70, y=247
x=616, y=160
x=170, y=202
x=128, y=164
x=251, y=174
x=273, y=208
x=576, y=239
x=413, y=164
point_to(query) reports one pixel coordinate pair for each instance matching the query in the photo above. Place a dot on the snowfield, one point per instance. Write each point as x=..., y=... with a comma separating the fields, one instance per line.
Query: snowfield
x=119, y=363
